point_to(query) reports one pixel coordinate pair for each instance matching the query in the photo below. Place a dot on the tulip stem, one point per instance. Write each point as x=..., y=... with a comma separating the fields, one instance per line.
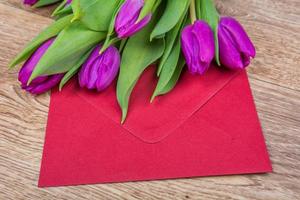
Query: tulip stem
x=108, y=43
x=193, y=11
x=122, y=45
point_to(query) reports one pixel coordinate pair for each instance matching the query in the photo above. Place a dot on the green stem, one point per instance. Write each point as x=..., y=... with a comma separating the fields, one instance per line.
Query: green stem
x=198, y=9
x=122, y=45
x=59, y=8
x=108, y=43
x=193, y=11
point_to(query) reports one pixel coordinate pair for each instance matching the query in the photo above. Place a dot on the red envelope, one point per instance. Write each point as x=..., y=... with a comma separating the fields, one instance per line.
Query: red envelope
x=206, y=126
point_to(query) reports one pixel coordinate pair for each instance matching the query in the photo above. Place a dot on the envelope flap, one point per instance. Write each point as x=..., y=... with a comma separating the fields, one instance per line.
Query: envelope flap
x=152, y=122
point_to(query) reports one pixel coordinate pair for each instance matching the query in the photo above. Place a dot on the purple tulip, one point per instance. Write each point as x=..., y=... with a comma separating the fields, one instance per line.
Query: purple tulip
x=40, y=84
x=30, y=2
x=236, y=49
x=69, y=2
x=126, y=22
x=197, y=41
x=99, y=70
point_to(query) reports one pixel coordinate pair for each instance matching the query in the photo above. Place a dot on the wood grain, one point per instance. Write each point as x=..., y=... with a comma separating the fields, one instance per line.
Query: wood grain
x=275, y=79
x=44, y=11
x=274, y=27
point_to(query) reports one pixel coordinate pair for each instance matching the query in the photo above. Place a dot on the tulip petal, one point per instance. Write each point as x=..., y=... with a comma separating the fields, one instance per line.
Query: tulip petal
x=187, y=44
x=100, y=70
x=109, y=71
x=29, y=2
x=85, y=72
x=46, y=85
x=135, y=27
x=229, y=55
x=198, y=47
x=128, y=13
x=236, y=48
x=239, y=35
x=40, y=84
x=30, y=64
x=205, y=37
x=126, y=20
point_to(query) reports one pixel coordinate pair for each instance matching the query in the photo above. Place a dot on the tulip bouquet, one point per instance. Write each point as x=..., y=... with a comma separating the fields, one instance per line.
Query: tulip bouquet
x=102, y=40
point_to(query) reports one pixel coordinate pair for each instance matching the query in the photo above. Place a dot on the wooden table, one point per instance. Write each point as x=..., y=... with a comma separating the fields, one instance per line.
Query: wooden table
x=274, y=26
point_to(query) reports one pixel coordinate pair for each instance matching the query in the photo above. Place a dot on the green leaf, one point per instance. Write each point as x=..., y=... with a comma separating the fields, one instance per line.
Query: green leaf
x=198, y=8
x=171, y=37
x=138, y=54
x=172, y=66
x=173, y=13
x=147, y=8
x=210, y=14
x=41, y=3
x=60, y=7
x=76, y=10
x=108, y=41
x=54, y=29
x=122, y=45
x=156, y=5
x=174, y=78
x=95, y=14
x=168, y=69
x=74, y=69
x=62, y=10
x=72, y=43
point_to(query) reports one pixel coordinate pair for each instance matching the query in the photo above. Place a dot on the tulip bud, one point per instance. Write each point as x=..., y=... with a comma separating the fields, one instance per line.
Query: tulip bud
x=68, y=2
x=236, y=49
x=197, y=41
x=99, y=70
x=30, y=2
x=127, y=22
x=40, y=84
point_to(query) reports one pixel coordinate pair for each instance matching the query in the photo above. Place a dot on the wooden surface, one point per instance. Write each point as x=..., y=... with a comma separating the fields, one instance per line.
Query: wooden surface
x=274, y=26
